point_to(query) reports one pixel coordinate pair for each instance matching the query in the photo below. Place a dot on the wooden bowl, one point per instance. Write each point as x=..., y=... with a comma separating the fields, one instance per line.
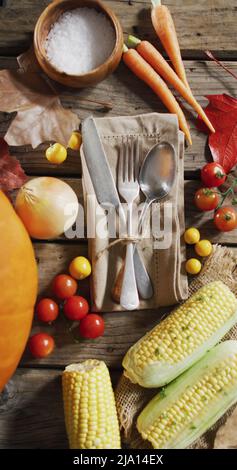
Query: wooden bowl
x=49, y=16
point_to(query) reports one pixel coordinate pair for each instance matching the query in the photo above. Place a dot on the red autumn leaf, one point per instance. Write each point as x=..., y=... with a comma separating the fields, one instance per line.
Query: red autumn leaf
x=222, y=112
x=201, y=126
x=12, y=175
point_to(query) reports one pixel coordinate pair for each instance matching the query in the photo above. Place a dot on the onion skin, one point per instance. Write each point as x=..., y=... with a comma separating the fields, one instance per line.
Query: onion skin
x=41, y=204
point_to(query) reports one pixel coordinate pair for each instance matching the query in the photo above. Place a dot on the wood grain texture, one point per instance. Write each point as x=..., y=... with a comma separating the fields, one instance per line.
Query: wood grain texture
x=129, y=96
x=193, y=217
x=28, y=417
x=31, y=410
x=200, y=25
x=122, y=328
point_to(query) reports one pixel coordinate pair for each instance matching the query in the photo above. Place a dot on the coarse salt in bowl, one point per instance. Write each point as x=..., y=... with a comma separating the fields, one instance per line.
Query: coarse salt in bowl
x=78, y=42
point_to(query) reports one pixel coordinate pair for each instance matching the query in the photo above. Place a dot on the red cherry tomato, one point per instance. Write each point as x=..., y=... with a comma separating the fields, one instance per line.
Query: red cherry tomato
x=41, y=345
x=225, y=219
x=92, y=326
x=47, y=310
x=213, y=175
x=206, y=199
x=64, y=286
x=76, y=308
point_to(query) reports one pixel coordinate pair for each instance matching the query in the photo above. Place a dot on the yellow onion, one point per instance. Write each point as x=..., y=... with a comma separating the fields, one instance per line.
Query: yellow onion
x=47, y=207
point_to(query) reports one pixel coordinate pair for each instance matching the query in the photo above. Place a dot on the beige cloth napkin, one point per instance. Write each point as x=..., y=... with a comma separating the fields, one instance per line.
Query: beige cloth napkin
x=165, y=266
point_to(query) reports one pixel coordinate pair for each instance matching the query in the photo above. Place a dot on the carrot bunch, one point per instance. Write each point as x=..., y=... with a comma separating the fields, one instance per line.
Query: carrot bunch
x=149, y=65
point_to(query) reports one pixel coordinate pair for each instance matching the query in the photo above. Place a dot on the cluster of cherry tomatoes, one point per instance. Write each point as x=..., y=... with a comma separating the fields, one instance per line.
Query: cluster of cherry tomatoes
x=74, y=307
x=209, y=198
x=202, y=248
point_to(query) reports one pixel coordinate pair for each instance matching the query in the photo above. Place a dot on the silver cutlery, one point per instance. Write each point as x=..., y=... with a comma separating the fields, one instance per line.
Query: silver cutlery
x=128, y=187
x=107, y=194
x=98, y=167
x=157, y=176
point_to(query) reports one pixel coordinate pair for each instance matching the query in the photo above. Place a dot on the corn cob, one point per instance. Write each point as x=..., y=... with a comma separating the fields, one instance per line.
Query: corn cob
x=186, y=408
x=89, y=407
x=183, y=337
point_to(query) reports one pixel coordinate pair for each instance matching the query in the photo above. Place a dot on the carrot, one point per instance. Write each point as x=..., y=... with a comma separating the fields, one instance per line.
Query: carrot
x=157, y=61
x=145, y=72
x=165, y=29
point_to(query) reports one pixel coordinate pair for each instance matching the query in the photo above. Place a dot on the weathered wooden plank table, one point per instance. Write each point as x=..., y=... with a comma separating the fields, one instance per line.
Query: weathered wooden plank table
x=32, y=414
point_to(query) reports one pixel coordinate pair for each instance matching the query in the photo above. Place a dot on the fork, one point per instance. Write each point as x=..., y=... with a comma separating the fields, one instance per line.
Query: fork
x=128, y=187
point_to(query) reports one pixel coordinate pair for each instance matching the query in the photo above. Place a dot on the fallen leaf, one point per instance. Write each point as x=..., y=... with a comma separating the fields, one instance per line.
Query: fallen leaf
x=12, y=175
x=222, y=112
x=226, y=436
x=27, y=61
x=40, y=114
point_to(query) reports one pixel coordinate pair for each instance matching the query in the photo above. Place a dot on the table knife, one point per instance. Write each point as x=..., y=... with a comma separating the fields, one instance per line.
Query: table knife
x=107, y=194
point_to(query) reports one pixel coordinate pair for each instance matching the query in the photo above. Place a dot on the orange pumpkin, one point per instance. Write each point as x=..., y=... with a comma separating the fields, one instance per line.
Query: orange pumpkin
x=18, y=289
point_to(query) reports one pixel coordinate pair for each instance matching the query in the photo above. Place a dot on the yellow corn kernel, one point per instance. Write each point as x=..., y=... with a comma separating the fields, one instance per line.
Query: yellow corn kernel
x=190, y=405
x=89, y=407
x=182, y=337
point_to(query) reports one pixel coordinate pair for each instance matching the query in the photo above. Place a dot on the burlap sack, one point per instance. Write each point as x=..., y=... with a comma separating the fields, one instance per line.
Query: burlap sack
x=131, y=399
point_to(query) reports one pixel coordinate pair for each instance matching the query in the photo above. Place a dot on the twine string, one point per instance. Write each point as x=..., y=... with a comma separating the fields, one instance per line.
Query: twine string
x=123, y=241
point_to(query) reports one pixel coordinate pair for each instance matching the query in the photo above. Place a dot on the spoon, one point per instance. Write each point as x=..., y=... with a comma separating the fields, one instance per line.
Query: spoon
x=157, y=176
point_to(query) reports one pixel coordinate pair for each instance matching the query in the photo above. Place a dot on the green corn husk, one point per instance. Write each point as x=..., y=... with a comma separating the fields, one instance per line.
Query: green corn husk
x=190, y=405
x=183, y=337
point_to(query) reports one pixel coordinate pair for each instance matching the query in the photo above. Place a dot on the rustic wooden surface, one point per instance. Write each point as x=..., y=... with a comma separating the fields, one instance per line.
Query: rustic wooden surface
x=31, y=413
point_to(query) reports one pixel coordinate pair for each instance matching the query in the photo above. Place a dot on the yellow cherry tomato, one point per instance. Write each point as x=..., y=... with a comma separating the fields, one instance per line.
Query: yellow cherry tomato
x=56, y=154
x=75, y=141
x=191, y=236
x=203, y=248
x=193, y=266
x=80, y=268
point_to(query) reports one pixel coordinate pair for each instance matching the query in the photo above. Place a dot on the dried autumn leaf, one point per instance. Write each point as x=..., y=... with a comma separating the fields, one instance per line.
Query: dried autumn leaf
x=27, y=61
x=222, y=112
x=40, y=114
x=12, y=175
x=226, y=437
